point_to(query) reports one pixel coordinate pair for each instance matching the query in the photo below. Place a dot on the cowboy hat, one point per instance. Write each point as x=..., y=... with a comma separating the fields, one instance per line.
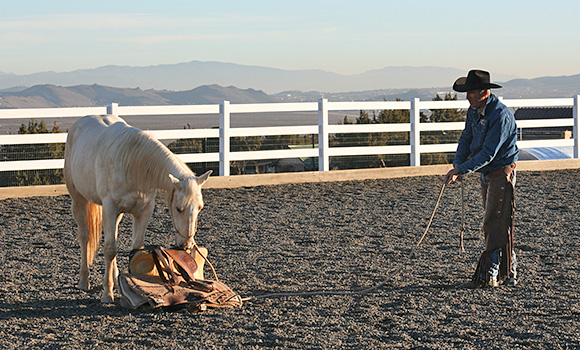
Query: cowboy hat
x=476, y=80
x=141, y=263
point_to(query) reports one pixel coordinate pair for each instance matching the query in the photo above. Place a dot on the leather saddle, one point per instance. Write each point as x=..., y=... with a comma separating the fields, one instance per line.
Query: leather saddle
x=172, y=279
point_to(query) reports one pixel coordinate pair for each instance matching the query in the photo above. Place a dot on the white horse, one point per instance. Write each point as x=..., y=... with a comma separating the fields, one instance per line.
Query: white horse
x=112, y=168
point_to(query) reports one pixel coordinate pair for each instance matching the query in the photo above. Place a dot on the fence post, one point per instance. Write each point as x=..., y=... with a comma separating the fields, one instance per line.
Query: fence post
x=576, y=129
x=415, y=138
x=225, y=138
x=323, y=157
x=113, y=108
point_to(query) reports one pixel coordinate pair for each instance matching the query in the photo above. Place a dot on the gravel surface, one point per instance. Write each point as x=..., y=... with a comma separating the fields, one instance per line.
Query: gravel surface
x=304, y=237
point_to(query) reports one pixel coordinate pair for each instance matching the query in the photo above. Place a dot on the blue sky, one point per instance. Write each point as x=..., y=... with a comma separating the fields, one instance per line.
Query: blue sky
x=523, y=38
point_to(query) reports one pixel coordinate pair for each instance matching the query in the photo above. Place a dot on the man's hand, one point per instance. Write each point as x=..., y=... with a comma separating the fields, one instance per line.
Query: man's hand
x=452, y=176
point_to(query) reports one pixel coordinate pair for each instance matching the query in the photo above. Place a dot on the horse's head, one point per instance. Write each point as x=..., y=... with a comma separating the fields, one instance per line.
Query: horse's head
x=185, y=204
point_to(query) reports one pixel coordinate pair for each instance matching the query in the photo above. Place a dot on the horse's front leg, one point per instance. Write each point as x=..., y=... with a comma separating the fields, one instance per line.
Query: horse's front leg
x=140, y=221
x=111, y=219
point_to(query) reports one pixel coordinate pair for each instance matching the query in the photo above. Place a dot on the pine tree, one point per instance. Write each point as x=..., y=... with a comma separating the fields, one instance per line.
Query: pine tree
x=444, y=136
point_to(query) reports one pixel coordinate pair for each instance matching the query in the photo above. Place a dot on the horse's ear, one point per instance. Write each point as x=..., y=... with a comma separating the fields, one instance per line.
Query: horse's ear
x=203, y=178
x=174, y=180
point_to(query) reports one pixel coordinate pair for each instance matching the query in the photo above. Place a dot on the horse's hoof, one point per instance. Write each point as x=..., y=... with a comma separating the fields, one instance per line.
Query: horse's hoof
x=107, y=299
x=83, y=287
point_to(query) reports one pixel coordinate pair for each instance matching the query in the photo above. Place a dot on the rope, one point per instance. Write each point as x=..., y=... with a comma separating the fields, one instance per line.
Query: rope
x=353, y=292
x=432, y=215
x=207, y=261
x=315, y=292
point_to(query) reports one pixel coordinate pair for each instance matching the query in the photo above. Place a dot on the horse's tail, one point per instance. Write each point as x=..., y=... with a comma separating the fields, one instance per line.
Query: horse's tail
x=95, y=225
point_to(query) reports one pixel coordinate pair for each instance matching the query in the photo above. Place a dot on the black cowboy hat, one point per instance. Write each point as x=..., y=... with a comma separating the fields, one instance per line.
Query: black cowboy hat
x=476, y=80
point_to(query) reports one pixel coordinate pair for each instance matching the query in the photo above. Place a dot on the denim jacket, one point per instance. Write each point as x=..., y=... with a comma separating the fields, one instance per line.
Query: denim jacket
x=487, y=143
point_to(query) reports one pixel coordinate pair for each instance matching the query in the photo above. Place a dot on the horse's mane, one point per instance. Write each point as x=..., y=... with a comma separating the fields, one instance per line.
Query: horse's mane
x=147, y=161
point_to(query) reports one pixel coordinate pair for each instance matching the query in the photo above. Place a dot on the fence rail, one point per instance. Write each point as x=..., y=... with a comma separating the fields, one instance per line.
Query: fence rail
x=225, y=132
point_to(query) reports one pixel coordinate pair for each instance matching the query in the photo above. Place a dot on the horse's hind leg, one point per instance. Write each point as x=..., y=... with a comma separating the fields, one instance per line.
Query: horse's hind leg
x=79, y=211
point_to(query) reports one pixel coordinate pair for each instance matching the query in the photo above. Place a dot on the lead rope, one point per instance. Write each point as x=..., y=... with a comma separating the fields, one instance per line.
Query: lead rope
x=432, y=215
x=207, y=261
x=361, y=291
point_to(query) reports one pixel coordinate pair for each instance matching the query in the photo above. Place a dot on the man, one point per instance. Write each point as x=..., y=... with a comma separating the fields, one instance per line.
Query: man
x=488, y=145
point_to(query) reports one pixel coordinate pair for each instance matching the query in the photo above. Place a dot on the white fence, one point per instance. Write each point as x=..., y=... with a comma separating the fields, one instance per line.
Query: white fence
x=225, y=156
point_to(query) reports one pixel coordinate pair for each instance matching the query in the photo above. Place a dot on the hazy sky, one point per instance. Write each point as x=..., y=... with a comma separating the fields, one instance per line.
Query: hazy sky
x=528, y=38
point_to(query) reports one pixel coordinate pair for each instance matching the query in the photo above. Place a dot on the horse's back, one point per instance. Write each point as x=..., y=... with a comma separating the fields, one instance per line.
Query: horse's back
x=85, y=142
x=87, y=135
x=92, y=124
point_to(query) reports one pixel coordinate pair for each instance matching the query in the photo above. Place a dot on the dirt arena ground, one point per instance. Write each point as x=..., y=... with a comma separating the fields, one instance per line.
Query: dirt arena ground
x=303, y=237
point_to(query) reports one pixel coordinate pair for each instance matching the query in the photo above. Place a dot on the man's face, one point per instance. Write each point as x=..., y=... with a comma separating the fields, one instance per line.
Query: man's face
x=477, y=98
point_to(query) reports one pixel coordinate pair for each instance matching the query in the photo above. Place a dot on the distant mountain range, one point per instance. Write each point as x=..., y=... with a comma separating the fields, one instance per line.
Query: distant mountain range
x=186, y=76
x=210, y=82
x=97, y=95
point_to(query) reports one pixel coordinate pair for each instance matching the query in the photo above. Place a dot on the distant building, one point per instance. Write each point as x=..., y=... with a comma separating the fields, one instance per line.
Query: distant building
x=301, y=164
x=532, y=113
x=559, y=132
